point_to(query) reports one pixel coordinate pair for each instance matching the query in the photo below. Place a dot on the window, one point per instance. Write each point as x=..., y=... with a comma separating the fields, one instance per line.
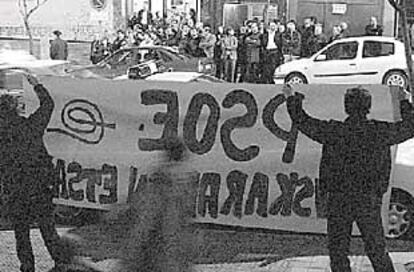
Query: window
x=341, y=51
x=121, y=57
x=377, y=49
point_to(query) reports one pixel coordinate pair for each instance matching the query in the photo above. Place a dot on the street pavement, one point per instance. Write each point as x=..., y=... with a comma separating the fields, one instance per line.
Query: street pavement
x=9, y=261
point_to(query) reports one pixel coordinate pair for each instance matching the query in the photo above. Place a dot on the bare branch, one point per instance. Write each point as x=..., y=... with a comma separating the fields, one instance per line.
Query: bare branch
x=38, y=4
x=395, y=4
x=21, y=8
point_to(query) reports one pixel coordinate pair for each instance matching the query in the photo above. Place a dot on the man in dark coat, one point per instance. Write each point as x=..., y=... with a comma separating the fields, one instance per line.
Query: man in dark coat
x=271, y=52
x=253, y=49
x=58, y=47
x=27, y=177
x=308, y=41
x=374, y=29
x=355, y=165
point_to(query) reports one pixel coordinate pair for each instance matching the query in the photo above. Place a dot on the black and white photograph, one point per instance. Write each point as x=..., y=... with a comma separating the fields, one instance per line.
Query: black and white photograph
x=206, y=136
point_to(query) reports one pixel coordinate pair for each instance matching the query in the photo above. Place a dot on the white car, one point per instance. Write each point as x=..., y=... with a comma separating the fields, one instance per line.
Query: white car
x=356, y=60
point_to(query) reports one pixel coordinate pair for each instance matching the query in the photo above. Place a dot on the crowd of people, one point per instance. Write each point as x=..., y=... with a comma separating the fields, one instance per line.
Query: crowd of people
x=249, y=53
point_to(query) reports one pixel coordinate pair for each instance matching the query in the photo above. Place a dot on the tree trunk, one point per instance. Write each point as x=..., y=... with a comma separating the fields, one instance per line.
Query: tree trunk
x=408, y=51
x=29, y=33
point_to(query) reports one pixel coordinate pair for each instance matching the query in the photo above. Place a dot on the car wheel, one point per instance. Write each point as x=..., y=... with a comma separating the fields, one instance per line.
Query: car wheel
x=296, y=78
x=396, y=78
x=400, y=215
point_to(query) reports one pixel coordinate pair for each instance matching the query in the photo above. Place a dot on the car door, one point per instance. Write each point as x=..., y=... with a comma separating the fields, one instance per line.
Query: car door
x=377, y=58
x=337, y=64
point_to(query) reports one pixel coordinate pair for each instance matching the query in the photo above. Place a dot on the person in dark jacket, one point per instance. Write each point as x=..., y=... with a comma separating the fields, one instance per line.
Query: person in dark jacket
x=355, y=166
x=27, y=177
x=253, y=51
x=308, y=41
x=58, y=47
x=374, y=29
x=271, y=52
x=120, y=42
x=100, y=49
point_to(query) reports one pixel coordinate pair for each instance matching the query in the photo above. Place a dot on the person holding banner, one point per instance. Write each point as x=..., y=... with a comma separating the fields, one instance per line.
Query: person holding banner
x=355, y=164
x=27, y=177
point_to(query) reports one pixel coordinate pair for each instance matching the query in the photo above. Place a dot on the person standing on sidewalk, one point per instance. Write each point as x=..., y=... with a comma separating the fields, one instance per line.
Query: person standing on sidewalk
x=27, y=177
x=272, y=52
x=58, y=47
x=355, y=164
x=229, y=49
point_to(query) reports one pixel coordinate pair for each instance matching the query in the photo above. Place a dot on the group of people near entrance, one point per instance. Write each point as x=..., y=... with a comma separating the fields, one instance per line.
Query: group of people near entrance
x=243, y=54
x=354, y=170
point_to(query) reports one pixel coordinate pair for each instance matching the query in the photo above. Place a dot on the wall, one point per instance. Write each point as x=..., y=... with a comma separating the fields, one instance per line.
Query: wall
x=77, y=19
x=357, y=14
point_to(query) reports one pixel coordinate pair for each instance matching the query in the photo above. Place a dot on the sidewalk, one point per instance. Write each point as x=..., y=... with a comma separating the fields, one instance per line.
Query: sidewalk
x=9, y=262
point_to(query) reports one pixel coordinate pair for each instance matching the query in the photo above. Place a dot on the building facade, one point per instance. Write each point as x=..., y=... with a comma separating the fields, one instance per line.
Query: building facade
x=82, y=19
x=356, y=13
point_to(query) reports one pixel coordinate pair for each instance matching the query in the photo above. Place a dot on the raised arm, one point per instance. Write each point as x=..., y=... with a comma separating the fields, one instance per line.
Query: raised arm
x=41, y=117
x=320, y=131
x=401, y=131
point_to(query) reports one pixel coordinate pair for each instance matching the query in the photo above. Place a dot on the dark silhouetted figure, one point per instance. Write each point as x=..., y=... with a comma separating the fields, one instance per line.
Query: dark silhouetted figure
x=355, y=166
x=58, y=47
x=27, y=177
x=162, y=236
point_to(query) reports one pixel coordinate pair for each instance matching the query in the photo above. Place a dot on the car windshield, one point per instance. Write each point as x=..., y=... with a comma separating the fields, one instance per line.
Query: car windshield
x=207, y=78
x=120, y=57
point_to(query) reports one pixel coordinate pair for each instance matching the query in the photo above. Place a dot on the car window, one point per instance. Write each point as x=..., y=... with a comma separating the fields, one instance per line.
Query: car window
x=341, y=51
x=150, y=54
x=207, y=78
x=164, y=56
x=377, y=49
x=121, y=57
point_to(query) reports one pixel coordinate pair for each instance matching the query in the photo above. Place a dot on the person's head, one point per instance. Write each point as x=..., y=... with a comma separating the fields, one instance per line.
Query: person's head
x=57, y=33
x=175, y=149
x=230, y=31
x=272, y=26
x=192, y=12
x=185, y=29
x=157, y=14
x=190, y=23
x=121, y=34
x=373, y=21
x=357, y=101
x=207, y=29
x=307, y=22
x=343, y=26
x=318, y=29
x=194, y=33
x=291, y=25
x=243, y=29
x=281, y=28
x=313, y=20
x=8, y=106
x=336, y=30
x=255, y=27
x=220, y=29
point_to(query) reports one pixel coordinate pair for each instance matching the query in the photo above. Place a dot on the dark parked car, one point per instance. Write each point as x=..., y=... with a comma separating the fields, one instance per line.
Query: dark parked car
x=118, y=63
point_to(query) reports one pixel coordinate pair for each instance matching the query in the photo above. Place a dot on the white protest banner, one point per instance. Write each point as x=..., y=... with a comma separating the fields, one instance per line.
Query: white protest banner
x=254, y=169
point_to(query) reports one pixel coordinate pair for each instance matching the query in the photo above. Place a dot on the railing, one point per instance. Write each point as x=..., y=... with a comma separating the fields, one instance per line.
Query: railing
x=76, y=33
